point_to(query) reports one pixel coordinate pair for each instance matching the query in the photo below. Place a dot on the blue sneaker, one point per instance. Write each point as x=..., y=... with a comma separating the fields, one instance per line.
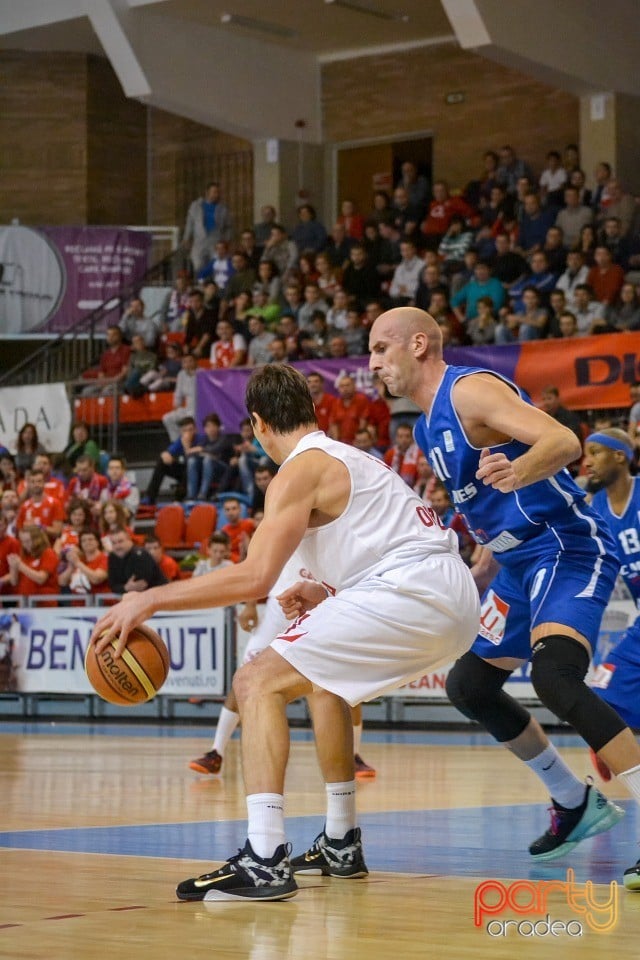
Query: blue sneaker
x=569, y=826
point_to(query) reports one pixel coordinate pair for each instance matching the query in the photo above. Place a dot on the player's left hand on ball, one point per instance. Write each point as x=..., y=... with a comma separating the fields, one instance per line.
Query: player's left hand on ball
x=302, y=596
x=496, y=471
x=119, y=621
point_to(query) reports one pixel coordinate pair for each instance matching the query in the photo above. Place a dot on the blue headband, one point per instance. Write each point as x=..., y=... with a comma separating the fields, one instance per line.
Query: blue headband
x=606, y=441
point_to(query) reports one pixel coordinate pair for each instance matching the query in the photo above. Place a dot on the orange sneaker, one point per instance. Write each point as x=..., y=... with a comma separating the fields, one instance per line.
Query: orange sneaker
x=209, y=764
x=363, y=770
x=601, y=768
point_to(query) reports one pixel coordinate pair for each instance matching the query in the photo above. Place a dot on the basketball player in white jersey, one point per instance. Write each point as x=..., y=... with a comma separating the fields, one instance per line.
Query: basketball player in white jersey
x=391, y=600
x=263, y=629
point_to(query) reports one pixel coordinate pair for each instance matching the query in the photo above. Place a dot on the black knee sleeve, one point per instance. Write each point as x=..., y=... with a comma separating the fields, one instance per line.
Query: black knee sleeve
x=475, y=688
x=559, y=665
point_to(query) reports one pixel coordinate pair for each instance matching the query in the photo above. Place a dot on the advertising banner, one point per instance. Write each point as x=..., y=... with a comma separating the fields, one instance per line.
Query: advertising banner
x=590, y=372
x=50, y=277
x=618, y=616
x=45, y=405
x=43, y=650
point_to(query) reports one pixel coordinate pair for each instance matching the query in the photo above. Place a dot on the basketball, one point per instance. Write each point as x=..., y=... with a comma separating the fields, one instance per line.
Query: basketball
x=136, y=676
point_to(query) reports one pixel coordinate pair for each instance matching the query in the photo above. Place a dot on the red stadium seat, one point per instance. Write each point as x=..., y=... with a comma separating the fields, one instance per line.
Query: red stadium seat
x=169, y=527
x=200, y=525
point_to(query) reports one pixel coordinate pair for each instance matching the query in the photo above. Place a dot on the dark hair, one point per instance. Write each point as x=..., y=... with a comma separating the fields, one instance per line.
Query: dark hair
x=212, y=418
x=152, y=538
x=219, y=537
x=118, y=459
x=78, y=504
x=280, y=396
x=268, y=466
x=20, y=440
x=88, y=532
x=186, y=422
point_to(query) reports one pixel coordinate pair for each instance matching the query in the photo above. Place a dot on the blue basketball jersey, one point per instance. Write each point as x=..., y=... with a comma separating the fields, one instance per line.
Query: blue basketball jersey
x=502, y=521
x=626, y=533
x=617, y=677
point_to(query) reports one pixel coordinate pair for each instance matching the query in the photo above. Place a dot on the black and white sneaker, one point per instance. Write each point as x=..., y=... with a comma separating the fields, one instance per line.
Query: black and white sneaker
x=333, y=858
x=244, y=877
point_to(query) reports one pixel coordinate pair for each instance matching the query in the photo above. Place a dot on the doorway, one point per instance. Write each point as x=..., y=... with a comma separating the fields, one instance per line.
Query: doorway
x=361, y=169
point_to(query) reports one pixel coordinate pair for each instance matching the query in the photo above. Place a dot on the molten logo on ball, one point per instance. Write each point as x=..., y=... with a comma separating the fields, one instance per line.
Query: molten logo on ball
x=120, y=676
x=135, y=676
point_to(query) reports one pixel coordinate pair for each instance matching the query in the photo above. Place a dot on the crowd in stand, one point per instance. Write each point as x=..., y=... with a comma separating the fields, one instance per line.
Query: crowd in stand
x=511, y=257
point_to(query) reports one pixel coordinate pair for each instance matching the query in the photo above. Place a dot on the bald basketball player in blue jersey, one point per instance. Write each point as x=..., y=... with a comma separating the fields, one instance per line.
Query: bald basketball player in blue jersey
x=503, y=462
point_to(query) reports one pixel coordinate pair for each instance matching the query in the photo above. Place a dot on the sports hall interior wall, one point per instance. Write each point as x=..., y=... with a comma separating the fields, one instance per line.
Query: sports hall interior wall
x=390, y=94
x=74, y=147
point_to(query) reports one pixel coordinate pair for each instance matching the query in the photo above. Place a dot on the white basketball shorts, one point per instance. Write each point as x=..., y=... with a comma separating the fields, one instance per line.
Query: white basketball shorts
x=385, y=631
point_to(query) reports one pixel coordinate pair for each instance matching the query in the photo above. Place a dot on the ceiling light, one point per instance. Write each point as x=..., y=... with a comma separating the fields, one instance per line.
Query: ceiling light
x=262, y=26
x=371, y=9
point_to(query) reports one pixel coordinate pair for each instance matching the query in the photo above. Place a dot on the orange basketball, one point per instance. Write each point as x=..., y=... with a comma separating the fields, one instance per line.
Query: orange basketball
x=136, y=676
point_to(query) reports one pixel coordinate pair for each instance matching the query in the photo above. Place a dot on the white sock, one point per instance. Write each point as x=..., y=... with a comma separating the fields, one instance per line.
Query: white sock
x=266, y=823
x=562, y=784
x=227, y=723
x=341, y=809
x=357, y=737
x=631, y=780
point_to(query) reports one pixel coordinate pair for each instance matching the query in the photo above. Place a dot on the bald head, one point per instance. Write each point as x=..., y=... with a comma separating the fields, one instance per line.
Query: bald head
x=406, y=352
x=403, y=323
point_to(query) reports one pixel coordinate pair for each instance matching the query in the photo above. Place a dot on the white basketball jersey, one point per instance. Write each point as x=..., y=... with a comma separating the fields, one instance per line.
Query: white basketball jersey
x=384, y=525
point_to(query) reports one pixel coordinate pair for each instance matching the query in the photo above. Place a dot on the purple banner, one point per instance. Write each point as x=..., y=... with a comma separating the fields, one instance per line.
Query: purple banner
x=222, y=391
x=52, y=276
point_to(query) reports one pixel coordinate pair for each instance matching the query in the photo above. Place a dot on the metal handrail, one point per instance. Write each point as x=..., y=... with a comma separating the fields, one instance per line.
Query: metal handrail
x=65, y=357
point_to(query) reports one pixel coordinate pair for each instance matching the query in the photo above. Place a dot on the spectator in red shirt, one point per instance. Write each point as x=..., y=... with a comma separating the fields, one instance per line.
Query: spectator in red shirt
x=87, y=567
x=120, y=487
x=33, y=571
x=238, y=529
x=113, y=366
x=53, y=487
x=167, y=564
x=441, y=210
x=8, y=544
x=9, y=506
x=86, y=484
x=404, y=455
x=39, y=509
x=380, y=415
x=605, y=277
x=323, y=402
x=350, y=411
x=79, y=518
x=351, y=220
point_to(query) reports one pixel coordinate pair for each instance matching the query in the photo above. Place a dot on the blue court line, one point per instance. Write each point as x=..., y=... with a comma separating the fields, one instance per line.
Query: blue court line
x=475, y=842
x=180, y=731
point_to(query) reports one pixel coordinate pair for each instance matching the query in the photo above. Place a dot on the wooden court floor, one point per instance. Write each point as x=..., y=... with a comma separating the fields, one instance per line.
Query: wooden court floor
x=100, y=823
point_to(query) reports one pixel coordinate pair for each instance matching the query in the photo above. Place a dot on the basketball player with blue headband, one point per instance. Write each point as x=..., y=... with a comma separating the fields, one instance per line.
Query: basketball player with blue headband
x=608, y=458
x=503, y=462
